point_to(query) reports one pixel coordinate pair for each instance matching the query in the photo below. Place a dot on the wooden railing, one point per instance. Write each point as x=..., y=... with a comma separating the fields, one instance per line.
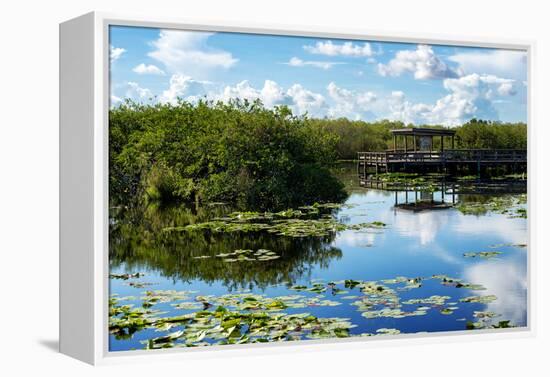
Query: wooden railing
x=451, y=155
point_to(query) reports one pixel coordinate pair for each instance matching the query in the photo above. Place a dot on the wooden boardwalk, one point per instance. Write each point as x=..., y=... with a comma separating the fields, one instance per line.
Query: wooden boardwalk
x=450, y=159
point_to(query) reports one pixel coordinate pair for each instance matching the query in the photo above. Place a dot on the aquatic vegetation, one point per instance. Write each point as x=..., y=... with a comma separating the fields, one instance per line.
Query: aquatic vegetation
x=511, y=205
x=435, y=300
x=457, y=283
x=163, y=296
x=500, y=245
x=243, y=255
x=386, y=331
x=479, y=299
x=222, y=326
x=485, y=314
x=482, y=254
x=138, y=284
x=125, y=320
x=253, y=318
x=249, y=301
x=409, y=181
x=136, y=275
x=287, y=223
x=487, y=324
x=247, y=317
x=467, y=178
x=520, y=213
x=410, y=283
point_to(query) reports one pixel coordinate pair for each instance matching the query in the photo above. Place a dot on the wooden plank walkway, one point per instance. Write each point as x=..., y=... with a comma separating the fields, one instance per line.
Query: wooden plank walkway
x=415, y=160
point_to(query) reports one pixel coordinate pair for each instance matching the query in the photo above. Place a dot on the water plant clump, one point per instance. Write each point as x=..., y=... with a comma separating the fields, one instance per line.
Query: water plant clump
x=479, y=299
x=243, y=255
x=482, y=254
x=247, y=317
x=409, y=181
x=488, y=324
x=136, y=275
x=238, y=318
x=305, y=222
x=511, y=205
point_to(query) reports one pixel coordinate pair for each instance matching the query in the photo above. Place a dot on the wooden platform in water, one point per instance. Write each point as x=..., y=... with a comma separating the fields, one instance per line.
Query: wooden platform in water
x=449, y=159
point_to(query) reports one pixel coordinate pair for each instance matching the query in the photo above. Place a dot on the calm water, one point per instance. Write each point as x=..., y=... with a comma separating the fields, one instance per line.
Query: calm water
x=413, y=244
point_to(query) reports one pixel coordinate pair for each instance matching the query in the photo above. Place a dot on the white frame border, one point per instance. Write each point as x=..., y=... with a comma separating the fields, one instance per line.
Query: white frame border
x=102, y=22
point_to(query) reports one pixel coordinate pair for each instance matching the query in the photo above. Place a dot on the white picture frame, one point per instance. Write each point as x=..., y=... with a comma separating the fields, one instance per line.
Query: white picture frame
x=84, y=106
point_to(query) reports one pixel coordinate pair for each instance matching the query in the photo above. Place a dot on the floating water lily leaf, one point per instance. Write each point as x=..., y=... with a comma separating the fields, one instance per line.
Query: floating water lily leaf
x=385, y=331
x=136, y=275
x=337, y=291
x=189, y=305
x=432, y=300
x=244, y=255
x=479, y=299
x=482, y=254
x=458, y=283
x=485, y=314
x=138, y=284
x=351, y=283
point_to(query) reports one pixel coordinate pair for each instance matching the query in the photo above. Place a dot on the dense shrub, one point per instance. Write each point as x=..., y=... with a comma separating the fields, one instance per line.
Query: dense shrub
x=239, y=152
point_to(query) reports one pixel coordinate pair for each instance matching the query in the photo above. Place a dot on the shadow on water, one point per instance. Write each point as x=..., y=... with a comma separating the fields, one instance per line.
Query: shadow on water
x=138, y=242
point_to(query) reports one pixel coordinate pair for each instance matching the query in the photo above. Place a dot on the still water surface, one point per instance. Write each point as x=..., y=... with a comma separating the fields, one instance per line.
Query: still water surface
x=413, y=244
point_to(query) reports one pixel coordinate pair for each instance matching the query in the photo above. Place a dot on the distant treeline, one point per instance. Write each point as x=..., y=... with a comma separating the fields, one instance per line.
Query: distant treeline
x=354, y=136
x=245, y=154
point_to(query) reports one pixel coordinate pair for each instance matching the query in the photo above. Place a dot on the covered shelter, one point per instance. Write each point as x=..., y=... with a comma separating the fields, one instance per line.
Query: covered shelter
x=421, y=139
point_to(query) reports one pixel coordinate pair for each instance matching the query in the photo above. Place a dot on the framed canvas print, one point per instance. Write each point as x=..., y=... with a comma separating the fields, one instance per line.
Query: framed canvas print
x=227, y=187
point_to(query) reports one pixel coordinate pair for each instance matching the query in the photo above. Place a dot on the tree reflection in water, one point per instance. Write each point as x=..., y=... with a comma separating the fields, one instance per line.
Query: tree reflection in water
x=137, y=241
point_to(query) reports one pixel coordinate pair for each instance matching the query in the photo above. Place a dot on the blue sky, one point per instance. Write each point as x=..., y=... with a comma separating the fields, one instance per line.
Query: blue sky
x=366, y=80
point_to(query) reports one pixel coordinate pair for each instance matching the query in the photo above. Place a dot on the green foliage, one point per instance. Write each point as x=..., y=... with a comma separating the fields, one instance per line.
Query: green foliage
x=355, y=136
x=239, y=152
x=491, y=135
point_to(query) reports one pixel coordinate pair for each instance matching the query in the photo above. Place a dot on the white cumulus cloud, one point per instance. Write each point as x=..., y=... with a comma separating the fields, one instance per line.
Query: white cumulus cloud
x=350, y=104
x=137, y=93
x=297, y=62
x=503, y=63
x=299, y=99
x=115, y=53
x=187, y=52
x=184, y=87
x=471, y=96
x=150, y=69
x=343, y=49
x=423, y=63
x=306, y=101
x=398, y=107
